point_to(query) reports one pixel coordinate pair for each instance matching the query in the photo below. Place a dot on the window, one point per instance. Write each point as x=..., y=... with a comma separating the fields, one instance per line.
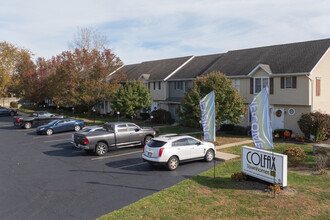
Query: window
x=155, y=144
x=178, y=85
x=289, y=82
x=121, y=128
x=181, y=142
x=237, y=84
x=157, y=85
x=132, y=127
x=193, y=141
x=260, y=83
x=318, y=86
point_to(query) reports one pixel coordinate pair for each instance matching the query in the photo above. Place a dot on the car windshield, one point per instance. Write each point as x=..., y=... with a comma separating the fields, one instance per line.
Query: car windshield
x=52, y=122
x=154, y=143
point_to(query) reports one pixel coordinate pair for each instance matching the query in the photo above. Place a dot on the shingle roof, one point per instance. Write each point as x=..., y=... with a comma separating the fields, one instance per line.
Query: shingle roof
x=196, y=67
x=286, y=58
x=157, y=69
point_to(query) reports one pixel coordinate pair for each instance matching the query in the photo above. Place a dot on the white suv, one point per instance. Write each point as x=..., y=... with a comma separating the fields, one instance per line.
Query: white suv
x=170, y=150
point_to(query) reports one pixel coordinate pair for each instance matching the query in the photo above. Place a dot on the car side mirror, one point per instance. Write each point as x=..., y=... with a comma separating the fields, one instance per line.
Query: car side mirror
x=136, y=129
x=200, y=143
x=52, y=115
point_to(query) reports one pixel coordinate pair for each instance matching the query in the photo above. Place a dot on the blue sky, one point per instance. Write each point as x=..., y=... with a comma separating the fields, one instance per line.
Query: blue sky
x=141, y=30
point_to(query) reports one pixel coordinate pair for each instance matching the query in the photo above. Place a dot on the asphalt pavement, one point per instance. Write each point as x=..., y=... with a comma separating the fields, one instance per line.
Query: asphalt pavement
x=44, y=177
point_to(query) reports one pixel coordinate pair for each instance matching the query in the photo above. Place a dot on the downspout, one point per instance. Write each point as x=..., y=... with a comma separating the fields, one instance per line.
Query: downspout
x=312, y=107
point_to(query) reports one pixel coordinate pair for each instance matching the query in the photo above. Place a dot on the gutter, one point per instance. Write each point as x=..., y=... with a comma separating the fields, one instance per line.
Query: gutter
x=312, y=107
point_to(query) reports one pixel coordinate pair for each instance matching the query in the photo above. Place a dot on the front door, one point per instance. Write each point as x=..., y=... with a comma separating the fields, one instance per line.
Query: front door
x=277, y=118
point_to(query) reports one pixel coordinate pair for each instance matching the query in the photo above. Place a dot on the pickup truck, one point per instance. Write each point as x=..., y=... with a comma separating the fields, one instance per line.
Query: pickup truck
x=36, y=119
x=119, y=135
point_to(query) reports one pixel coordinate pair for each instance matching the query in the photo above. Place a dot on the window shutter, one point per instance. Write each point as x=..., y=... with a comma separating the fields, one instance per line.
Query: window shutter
x=318, y=87
x=154, y=85
x=294, y=82
x=271, y=85
x=282, y=82
x=251, y=85
x=160, y=85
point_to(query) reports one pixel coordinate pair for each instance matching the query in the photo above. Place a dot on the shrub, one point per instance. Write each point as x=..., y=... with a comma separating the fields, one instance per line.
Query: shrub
x=275, y=189
x=161, y=116
x=315, y=123
x=145, y=116
x=296, y=155
x=227, y=127
x=13, y=104
x=235, y=129
x=322, y=158
x=280, y=132
x=80, y=108
x=237, y=177
x=240, y=130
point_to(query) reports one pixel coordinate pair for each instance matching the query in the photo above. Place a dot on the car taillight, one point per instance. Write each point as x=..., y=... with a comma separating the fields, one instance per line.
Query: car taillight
x=86, y=141
x=18, y=120
x=160, y=152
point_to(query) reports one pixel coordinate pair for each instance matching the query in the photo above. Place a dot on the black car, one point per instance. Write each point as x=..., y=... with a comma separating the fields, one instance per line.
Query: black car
x=7, y=111
x=36, y=119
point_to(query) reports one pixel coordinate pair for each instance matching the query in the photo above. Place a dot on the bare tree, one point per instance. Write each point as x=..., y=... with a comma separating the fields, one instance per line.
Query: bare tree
x=89, y=39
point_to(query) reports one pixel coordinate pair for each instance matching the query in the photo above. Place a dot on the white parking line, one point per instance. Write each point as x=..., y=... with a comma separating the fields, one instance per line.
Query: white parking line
x=117, y=155
x=131, y=165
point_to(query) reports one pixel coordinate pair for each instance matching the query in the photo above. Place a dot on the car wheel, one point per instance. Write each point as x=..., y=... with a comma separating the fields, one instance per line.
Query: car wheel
x=147, y=139
x=49, y=131
x=209, y=156
x=172, y=163
x=12, y=113
x=101, y=149
x=27, y=125
x=77, y=128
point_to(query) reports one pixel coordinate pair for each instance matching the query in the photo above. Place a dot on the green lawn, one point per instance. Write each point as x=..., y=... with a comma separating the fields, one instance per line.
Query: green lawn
x=202, y=197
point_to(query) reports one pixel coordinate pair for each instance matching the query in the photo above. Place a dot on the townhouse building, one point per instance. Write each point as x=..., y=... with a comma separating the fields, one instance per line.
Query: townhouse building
x=297, y=75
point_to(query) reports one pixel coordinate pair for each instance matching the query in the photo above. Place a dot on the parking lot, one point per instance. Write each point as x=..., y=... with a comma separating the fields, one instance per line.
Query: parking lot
x=44, y=177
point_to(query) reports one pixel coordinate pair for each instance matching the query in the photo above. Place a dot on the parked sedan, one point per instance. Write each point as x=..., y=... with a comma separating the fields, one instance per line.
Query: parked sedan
x=68, y=124
x=170, y=150
x=7, y=111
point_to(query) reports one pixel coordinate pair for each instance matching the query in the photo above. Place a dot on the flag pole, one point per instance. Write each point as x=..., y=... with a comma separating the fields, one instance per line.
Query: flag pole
x=268, y=94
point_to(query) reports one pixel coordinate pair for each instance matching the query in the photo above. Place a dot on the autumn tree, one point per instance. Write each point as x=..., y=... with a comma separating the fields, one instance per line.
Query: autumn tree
x=80, y=77
x=10, y=57
x=131, y=98
x=228, y=102
x=31, y=80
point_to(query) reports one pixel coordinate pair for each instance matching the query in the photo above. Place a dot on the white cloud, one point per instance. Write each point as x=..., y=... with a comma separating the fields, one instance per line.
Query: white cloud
x=148, y=30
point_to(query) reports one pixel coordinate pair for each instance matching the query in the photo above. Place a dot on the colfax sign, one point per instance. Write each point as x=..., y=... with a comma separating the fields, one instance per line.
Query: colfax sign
x=265, y=165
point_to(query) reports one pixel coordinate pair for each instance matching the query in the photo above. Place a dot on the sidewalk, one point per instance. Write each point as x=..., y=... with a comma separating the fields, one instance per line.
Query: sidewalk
x=227, y=156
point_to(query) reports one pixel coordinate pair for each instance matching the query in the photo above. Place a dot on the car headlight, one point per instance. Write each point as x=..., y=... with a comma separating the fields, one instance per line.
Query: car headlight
x=41, y=129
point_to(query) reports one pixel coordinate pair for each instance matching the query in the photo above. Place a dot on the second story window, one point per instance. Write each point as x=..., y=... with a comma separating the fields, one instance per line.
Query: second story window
x=178, y=85
x=289, y=82
x=237, y=84
x=157, y=85
x=260, y=83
